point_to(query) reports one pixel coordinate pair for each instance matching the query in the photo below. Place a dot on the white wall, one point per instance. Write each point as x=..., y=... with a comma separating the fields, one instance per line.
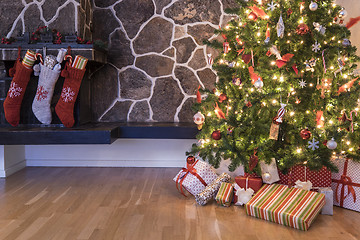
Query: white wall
x=12, y=159
x=353, y=9
x=122, y=153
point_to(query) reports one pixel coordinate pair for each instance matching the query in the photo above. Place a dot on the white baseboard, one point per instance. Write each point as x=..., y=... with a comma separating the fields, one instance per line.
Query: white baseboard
x=122, y=153
x=102, y=163
x=12, y=169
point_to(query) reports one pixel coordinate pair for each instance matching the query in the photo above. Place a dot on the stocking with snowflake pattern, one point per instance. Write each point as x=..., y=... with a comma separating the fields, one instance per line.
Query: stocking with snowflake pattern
x=73, y=76
x=21, y=76
x=49, y=74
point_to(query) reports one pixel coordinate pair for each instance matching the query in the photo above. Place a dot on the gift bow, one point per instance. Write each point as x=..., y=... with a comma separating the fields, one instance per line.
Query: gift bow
x=190, y=168
x=303, y=185
x=243, y=196
x=259, y=12
x=345, y=181
x=284, y=60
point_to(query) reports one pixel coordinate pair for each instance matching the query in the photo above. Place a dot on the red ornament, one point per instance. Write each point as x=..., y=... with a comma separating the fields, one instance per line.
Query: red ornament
x=305, y=134
x=216, y=135
x=289, y=12
x=302, y=29
x=248, y=104
x=190, y=160
x=222, y=97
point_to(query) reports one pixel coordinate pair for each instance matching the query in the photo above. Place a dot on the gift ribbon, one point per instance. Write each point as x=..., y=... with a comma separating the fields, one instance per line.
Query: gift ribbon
x=345, y=181
x=190, y=168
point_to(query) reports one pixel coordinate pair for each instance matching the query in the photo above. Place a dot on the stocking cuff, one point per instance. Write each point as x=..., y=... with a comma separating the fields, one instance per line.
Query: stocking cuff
x=73, y=73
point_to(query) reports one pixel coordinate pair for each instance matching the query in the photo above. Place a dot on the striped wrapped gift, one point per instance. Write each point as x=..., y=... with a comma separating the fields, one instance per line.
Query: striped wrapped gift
x=225, y=194
x=291, y=207
x=29, y=59
x=79, y=62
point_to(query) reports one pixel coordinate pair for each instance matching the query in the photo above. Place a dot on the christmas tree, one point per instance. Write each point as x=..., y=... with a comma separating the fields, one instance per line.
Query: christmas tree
x=287, y=87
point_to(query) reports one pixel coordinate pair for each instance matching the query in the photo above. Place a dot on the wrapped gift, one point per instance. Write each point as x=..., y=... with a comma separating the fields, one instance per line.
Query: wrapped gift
x=346, y=184
x=269, y=172
x=225, y=194
x=318, y=179
x=285, y=205
x=195, y=177
x=210, y=191
x=328, y=209
x=255, y=183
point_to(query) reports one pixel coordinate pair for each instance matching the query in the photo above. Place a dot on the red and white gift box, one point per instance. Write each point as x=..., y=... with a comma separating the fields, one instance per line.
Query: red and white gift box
x=318, y=179
x=346, y=184
x=195, y=177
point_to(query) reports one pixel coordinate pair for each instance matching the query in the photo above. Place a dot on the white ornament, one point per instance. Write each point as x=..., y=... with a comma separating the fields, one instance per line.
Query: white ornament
x=320, y=28
x=342, y=13
x=259, y=84
x=313, y=144
x=272, y=6
x=280, y=27
x=331, y=144
x=316, y=47
x=302, y=83
x=313, y=6
x=266, y=176
x=199, y=118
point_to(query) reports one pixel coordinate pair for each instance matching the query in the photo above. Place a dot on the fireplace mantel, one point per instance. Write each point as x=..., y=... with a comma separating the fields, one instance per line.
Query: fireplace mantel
x=9, y=52
x=94, y=133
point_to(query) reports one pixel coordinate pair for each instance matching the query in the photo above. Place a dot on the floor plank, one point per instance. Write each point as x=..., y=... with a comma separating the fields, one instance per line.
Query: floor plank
x=135, y=203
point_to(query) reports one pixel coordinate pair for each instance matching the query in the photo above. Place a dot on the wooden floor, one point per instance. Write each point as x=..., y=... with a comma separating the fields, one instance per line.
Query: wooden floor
x=135, y=203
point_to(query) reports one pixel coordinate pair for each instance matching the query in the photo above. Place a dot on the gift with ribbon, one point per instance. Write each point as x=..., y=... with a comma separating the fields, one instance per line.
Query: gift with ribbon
x=291, y=207
x=194, y=177
x=346, y=184
x=321, y=178
x=249, y=182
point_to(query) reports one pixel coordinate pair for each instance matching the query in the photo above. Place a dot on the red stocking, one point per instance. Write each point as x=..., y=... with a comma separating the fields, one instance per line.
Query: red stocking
x=16, y=92
x=65, y=106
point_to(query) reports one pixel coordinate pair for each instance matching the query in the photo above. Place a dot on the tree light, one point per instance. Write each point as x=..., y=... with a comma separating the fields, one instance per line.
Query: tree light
x=298, y=150
x=292, y=114
x=348, y=143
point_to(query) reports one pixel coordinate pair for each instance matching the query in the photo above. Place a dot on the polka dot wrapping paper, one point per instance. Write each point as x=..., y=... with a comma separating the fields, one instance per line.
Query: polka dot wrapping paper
x=191, y=183
x=320, y=178
x=346, y=184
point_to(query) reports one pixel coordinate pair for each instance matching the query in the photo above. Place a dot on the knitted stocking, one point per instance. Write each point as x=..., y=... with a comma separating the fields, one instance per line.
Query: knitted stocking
x=16, y=92
x=44, y=93
x=65, y=106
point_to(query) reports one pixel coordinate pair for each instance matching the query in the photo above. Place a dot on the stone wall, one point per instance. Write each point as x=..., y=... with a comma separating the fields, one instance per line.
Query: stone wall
x=19, y=16
x=156, y=57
